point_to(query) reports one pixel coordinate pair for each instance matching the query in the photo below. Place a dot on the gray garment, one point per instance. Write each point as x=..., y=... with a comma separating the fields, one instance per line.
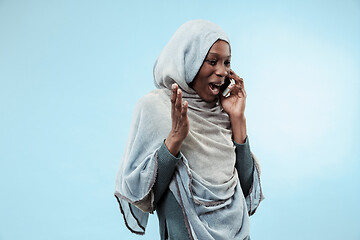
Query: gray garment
x=206, y=192
x=200, y=199
x=244, y=165
x=171, y=217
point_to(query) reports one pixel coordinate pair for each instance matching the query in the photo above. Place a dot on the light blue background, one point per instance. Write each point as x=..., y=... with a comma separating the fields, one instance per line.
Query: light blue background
x=71, y=72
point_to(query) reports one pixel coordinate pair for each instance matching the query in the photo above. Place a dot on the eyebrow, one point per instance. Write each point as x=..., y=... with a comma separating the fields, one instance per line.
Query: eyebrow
x=213, y=53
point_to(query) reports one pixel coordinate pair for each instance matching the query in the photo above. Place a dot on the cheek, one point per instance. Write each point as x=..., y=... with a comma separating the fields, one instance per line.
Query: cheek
x=207, y=72
x=201, y=85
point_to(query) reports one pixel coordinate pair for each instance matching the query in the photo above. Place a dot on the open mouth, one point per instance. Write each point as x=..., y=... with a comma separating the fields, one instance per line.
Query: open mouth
x=215, y=87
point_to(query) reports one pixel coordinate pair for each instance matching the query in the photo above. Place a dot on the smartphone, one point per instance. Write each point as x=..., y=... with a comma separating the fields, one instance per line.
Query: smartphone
x=225, y=90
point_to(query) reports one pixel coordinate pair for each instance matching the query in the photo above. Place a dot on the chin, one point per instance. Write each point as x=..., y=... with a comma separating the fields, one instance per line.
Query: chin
x=210, y=99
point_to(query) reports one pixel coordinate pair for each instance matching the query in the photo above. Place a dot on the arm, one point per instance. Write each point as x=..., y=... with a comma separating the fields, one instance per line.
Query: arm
x=244, y=165
x=166, y=167
x=179, y=121
x=234, y=105
x=171, y=146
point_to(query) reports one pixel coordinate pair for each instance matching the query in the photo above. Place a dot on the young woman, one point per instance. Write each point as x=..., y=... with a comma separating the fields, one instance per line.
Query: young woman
x=188, y=155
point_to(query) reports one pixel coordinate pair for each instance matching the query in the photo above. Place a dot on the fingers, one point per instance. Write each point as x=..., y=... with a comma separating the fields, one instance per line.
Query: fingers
x=177, y=106
x=179, y=121
x=184, y=109
x=174, y=88
x=173, y=96
x=181, y=107
x=233, y=75
x=237, y=79
x=239, y=84
x=178, y=102
x=232, y=87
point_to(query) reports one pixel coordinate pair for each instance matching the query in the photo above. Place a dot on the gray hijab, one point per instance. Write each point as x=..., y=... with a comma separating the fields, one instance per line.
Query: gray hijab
x=205, y=182
x=182, y=57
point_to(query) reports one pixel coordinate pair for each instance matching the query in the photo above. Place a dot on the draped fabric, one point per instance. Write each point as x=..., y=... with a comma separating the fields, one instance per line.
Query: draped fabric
x=205, y=181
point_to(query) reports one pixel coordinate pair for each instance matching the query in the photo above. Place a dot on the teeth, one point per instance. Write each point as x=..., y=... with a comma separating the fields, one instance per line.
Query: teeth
x=218, y=84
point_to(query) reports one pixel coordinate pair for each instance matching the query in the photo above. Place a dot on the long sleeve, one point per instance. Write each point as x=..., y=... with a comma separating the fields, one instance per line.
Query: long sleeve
x=248, y=169
x=244, y=165
x=166, y=167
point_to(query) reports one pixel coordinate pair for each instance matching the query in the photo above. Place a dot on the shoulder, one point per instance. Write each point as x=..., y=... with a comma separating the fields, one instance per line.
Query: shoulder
x=156, y=99
x=152, y=111
x=155, y=102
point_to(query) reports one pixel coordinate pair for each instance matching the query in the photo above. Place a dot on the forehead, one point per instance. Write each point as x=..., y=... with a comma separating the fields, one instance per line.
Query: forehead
x=220, y=49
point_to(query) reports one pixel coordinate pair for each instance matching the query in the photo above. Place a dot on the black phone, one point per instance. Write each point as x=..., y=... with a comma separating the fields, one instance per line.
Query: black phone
x=225, y=85
x=225, y=91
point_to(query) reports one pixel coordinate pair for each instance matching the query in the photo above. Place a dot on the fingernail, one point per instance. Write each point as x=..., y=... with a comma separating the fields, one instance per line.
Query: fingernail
x=173, y=86
x=178, y=91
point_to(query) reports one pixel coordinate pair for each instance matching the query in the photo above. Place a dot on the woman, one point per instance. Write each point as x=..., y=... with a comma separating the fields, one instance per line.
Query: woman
x=188, y=155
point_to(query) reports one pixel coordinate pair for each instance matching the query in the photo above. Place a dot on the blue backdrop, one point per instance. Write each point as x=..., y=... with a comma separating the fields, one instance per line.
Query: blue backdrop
x=72, y=71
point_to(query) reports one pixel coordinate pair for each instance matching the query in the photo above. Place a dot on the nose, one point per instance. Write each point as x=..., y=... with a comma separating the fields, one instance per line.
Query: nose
x=222, y=70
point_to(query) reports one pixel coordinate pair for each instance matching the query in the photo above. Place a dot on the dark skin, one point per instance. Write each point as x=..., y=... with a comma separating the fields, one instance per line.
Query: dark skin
x=214, y=69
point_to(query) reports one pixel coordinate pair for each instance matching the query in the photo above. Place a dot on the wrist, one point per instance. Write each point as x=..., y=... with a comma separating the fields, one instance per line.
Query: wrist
x=238, y=126
x=237, y=118
x=173, y=144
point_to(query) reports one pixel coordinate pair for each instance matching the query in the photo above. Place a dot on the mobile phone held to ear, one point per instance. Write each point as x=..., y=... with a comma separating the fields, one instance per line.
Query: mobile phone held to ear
x=225, y=90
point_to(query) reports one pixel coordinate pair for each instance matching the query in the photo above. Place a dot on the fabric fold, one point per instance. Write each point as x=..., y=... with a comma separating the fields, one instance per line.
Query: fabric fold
x=137, y=171
x=255, y=194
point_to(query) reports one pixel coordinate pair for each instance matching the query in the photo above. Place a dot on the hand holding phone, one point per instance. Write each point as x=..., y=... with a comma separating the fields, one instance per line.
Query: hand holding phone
x=225, y=90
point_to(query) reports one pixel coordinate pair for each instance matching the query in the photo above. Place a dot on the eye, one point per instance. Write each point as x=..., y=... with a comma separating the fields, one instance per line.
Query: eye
x=212, y=62
x=227, y=63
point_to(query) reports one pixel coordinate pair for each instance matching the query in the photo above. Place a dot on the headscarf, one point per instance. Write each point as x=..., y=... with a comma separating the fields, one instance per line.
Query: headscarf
x=205, y=182
x=182, y=57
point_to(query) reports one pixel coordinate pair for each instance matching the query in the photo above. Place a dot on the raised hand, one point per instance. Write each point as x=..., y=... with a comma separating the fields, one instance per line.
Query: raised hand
x=179, y=121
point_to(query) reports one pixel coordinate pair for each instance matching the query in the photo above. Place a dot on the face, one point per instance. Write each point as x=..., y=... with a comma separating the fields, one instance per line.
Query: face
x=213, y=71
